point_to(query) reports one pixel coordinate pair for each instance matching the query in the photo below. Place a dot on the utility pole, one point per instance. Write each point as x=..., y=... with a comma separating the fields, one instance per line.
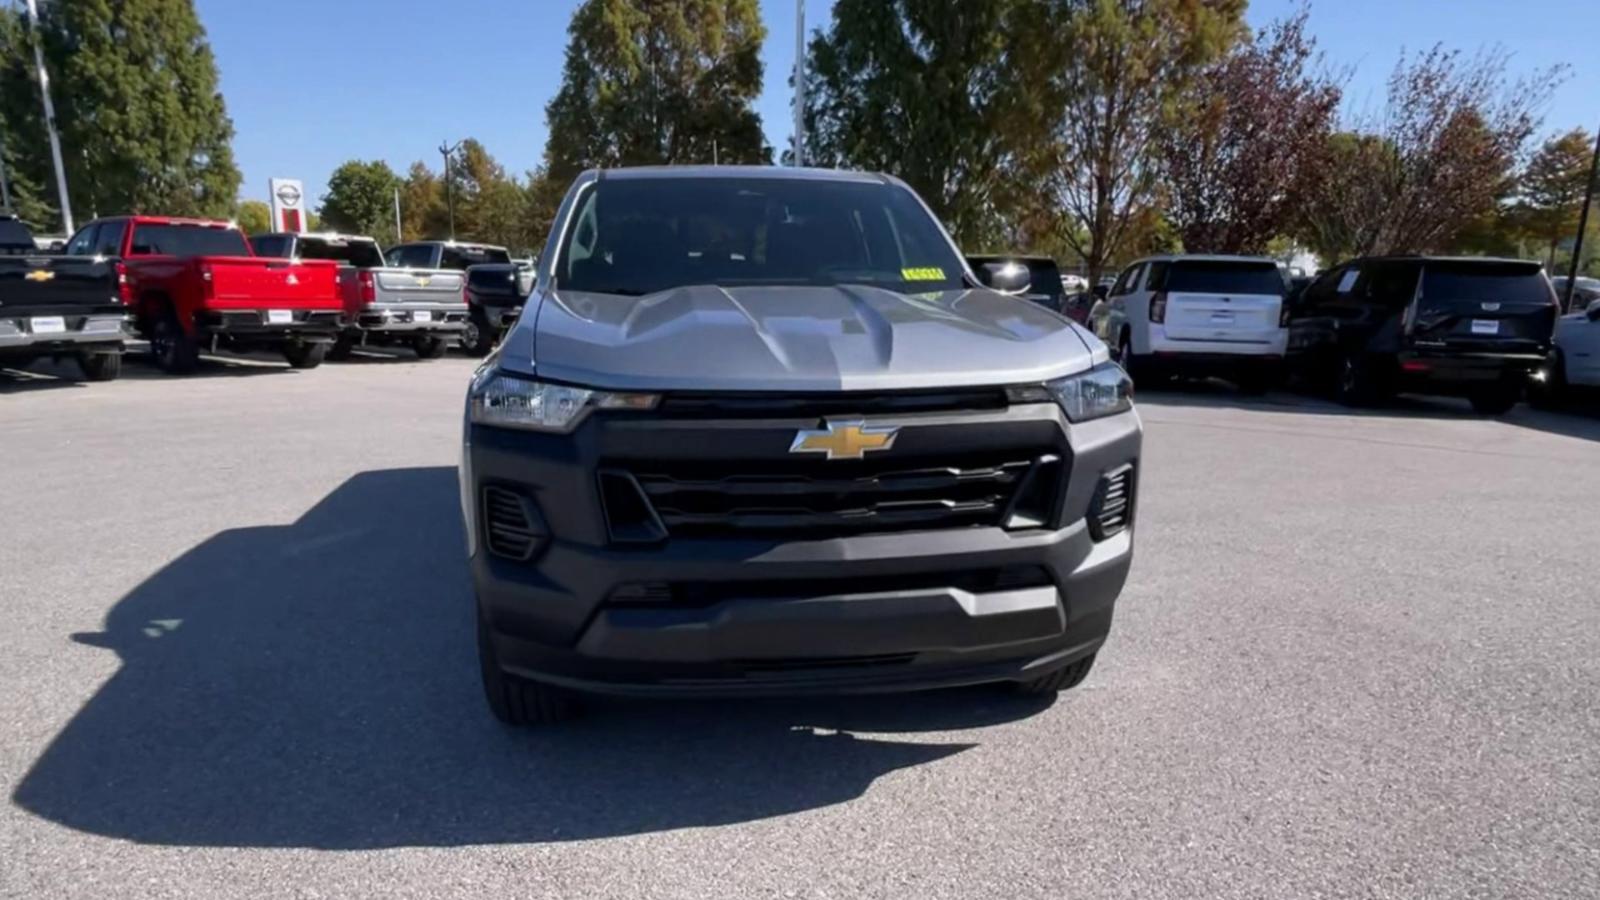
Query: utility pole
x=1583, y=225
x=399, y=237
x=445, y=149
x=799, y=82
x=50, y=116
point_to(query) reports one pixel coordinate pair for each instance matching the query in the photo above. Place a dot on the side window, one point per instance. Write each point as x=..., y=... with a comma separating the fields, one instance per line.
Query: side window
x=1392, y=285
x=410, y=256
x=452, y=258
x=271, y=245
x=1125, y=282
x=1349, y=283
x=1158, y=276
x=109, y=240
x=82, y=243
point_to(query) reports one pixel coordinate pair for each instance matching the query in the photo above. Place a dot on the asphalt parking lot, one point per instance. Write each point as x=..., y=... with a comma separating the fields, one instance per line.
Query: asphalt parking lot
x=1359, y=656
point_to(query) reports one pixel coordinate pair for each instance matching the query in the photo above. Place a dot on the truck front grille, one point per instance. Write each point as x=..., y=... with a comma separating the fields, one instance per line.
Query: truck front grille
x=820, y=498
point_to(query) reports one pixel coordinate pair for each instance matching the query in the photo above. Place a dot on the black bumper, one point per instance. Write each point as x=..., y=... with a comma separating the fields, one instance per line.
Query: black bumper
x=251, y=327
x=1437, y=372
x=898, y=610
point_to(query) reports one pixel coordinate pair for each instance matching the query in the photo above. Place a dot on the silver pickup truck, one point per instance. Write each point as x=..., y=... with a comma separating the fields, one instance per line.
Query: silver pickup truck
x=424, y=307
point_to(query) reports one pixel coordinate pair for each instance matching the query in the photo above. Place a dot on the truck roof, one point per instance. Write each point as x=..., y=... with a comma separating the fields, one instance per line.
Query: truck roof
x=1426, y=258
x=792, y=173
x=450, y=243
x=321, y=236
x=169, y=220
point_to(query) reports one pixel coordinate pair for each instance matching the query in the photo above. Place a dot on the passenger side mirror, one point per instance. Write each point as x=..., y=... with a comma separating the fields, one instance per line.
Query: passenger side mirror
x=1593, y=311
x=1005, y=277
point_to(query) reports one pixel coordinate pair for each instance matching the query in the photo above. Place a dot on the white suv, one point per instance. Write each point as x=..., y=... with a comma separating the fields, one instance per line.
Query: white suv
x=1198, y=315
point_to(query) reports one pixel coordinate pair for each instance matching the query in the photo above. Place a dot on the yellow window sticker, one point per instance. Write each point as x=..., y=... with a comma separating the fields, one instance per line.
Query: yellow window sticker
x=931, y=273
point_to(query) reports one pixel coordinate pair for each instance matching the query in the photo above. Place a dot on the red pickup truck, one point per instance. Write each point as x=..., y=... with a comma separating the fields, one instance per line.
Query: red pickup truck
x=196, y=285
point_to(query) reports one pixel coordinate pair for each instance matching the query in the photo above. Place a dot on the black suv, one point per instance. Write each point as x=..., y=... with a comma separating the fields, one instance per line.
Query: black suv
x=1378, y=326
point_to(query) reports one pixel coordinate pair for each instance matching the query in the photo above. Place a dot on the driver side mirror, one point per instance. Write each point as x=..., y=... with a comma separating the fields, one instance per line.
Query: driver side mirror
x=1006, y=277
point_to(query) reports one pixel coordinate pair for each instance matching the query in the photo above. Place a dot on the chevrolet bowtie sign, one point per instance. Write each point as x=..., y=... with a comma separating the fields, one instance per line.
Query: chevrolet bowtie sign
x=845, y=440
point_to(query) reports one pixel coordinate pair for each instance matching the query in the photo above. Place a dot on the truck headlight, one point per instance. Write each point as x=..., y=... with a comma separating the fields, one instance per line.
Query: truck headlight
x=1104, y=390
x=510, y=401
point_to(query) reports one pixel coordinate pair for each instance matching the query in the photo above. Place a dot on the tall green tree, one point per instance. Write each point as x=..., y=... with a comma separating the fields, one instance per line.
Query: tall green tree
x=360, y=200
x=932, y=92
x=143, y=125
x=254, y=217
x=1553, y=187
x=1118, y=71
x=489, y=203
x=658, y=81
x=422, y=208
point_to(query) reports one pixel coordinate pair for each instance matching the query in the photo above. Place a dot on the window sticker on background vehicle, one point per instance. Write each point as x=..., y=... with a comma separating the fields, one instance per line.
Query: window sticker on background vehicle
x=1348, y=281
x=927, y=273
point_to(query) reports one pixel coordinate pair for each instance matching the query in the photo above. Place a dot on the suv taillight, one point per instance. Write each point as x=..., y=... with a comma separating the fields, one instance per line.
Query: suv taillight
x=1158, y=308
x=369, y=292
x=124, y=289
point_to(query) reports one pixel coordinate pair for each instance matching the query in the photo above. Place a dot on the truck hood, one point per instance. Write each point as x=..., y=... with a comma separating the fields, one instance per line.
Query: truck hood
x=823, y=338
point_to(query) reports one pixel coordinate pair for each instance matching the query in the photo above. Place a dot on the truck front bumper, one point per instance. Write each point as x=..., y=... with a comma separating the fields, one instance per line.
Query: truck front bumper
x=100, y=331
x=897, y=610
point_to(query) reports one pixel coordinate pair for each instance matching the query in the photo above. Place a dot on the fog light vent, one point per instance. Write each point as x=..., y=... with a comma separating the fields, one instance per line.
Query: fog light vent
x=1111, y=511
x=510, y=528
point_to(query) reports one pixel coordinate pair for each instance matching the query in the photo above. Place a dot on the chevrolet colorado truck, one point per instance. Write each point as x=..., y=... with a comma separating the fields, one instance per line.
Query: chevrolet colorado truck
x=424, y=308
x=762, y=431
x=488, y=270
x=194, y=284
x=59, y=306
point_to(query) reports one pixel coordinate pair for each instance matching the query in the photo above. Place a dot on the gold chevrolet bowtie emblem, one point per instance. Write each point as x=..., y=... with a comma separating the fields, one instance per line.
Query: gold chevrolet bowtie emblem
x=40, y=275
x=845, y=440
x=423, y=281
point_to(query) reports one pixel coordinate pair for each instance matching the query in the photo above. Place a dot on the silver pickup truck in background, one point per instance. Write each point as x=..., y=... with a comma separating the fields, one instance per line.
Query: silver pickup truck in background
x=495, y=284
x=421, y=306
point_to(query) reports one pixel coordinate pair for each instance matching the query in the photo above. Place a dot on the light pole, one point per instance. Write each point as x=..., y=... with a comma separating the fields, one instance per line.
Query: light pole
x=5, y=186
x=799, y=82
x=446, y=149
x=1583, y=225
x=50, y=116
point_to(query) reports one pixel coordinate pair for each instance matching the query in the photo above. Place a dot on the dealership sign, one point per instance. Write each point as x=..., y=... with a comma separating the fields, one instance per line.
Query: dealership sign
x=288, y=204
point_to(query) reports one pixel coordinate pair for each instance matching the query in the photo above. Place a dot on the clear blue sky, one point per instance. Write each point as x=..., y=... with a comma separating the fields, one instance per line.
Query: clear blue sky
x=312, y=83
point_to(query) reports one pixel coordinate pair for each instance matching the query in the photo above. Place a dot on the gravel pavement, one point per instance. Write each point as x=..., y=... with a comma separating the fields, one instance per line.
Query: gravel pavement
x=1359, y=656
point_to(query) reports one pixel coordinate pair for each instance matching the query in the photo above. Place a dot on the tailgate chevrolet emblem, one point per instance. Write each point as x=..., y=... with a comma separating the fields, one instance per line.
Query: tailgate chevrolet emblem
x=40, y=275
x=423, y=281
x=845, y=440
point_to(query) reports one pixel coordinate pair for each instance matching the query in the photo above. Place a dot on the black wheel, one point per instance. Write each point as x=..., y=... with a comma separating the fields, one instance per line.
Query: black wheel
x=1550, y=391
x=428, y=346
x=478, y=337
x=175, y=352
x=1064, y=678
x=518, y=701
x=342, y=345
x=305, y=355
x=1358, y=382
x=1140, y=371
x=1496, y=401
x=103, y=366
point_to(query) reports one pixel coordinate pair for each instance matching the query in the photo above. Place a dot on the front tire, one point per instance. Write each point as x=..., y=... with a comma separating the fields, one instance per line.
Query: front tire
x=517, y=701
x=1065, y=678
x=305, y=355
x=428, y=347
x=104, y=366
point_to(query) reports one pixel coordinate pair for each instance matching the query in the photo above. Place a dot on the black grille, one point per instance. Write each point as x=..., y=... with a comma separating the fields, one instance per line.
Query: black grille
x=825, y=498
x=509, y=526
x=758, y=405
x=1112, y=509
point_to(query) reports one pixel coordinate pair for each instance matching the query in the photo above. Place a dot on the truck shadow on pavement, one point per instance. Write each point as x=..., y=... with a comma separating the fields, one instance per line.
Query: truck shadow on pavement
x=315, y=685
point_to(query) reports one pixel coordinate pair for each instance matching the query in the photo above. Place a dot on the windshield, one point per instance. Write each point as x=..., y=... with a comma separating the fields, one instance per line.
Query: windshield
x=1196, y=276
x=640, y=236
x=1503, y=282
x=361, y=254
x=188, y=240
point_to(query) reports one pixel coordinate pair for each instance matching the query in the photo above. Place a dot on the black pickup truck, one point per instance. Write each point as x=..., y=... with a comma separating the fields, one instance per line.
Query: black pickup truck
x=60, y=306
